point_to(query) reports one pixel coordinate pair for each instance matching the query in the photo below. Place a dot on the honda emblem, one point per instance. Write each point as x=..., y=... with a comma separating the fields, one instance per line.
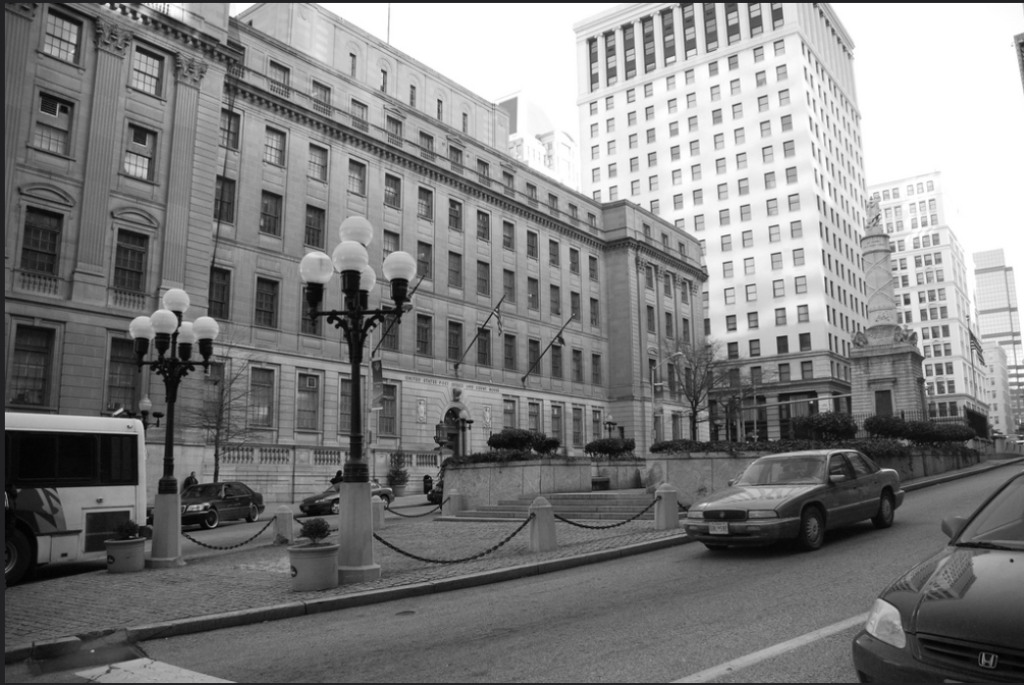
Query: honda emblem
x=988, y=660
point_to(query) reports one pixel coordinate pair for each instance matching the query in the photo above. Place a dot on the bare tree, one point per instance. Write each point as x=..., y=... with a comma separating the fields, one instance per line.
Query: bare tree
x=736, y=395
x=700, y=369
x=222, y=413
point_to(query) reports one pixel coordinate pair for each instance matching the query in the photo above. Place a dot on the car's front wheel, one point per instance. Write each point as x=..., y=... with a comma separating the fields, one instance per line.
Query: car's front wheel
x=335, y=506
x=812, y=530
x=254, y=514
x=211, y=520
x=886, y=512
x=386, y=500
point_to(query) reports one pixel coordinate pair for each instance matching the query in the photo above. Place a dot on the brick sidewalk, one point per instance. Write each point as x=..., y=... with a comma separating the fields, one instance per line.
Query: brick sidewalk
x=258, y=577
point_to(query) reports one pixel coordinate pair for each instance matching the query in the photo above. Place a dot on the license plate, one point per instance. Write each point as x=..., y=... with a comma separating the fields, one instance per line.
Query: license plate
x=718, y=528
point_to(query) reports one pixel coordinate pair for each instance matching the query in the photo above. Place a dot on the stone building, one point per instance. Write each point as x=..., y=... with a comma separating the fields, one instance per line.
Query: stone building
x=168, y=145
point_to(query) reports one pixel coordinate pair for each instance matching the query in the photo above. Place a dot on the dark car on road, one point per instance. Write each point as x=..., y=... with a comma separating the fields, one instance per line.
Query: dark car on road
x=958, y=616
x=327, y=501
x=796, y=496
x=208, y=504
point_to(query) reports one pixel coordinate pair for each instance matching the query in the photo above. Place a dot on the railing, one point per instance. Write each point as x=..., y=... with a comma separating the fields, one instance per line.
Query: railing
x=323, y=107
x=40, y=284
x=328, y=457
x=127, y=299
x=238, y=454
x=278, y=88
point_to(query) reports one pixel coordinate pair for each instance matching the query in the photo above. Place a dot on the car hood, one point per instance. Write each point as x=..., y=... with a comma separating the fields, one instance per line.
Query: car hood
x=754, y=497
x=326, y=493
x=967, y=594
x=198, y=500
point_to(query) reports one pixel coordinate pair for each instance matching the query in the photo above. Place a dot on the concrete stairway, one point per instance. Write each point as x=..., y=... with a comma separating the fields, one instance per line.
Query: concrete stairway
x=615, y=505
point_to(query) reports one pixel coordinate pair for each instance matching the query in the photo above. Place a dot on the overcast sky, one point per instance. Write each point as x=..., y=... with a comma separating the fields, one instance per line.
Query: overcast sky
x=938, y=90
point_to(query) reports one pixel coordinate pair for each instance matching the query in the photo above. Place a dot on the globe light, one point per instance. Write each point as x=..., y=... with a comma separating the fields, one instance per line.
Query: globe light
x=176, y=300
x=164, y=321
x=145, y=405
x=350, y=256
x=368, y=279
x=141, y=327
x=399, y=265
x=206, y=328
x=316, y=267
x=463, y=414
x=357, y=228
x=186, y=336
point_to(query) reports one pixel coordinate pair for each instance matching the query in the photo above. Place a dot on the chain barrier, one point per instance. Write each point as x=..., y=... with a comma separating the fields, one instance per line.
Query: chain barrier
x=415, y=516
x=224, y=549
x=682, y=507
x=455, y=561
x=614, y=525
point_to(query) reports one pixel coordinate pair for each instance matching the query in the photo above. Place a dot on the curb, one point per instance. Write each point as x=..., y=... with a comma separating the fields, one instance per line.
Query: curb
x=200, y=624
x=957, y=475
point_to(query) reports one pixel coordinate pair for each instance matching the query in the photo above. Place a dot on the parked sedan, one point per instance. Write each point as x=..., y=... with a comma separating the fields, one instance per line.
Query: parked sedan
x=210, y=503
x=327, y=501
x=958, y=616
x=796, y=496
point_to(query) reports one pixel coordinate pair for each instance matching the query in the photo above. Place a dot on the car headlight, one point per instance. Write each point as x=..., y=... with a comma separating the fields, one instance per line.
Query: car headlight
x=885, y=624
x=762, y=514
x=691, y=514
x=197, y=507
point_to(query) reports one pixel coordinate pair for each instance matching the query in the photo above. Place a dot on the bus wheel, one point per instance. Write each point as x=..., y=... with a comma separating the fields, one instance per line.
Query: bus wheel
x=17, y=557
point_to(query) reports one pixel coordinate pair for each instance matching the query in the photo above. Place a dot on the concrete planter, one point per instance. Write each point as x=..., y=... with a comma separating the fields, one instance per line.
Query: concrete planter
x=621, y=474
x=485, y=484
x=314, y=567
x=126, y=556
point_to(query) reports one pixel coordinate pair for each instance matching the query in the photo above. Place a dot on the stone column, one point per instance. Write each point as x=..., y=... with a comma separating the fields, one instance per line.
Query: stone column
x=18, y=32
x=188, y=72
x=89, y=279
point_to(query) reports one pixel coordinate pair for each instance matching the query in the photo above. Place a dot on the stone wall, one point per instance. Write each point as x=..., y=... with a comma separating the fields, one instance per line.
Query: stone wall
x=487, y=484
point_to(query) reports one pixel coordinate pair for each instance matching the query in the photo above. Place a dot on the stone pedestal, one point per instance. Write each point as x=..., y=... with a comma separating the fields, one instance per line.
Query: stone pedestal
x=887, y=374
x=355, y=535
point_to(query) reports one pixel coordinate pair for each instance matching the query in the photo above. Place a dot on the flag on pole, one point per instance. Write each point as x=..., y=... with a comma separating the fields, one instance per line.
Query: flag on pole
x=497, y=316
x=377, y=382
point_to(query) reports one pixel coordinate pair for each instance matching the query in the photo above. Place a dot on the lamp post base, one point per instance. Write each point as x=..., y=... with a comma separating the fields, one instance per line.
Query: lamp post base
x=166, y=532
x=355, y=534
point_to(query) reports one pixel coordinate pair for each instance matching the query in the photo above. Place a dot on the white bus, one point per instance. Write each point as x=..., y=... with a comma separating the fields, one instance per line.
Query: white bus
x=76, y=478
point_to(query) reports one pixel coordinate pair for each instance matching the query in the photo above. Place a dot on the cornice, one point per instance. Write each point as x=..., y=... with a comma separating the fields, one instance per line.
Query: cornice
x=176, y=31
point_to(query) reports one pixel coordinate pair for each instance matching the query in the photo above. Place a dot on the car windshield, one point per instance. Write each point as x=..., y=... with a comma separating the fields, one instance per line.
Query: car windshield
x=784, y=471
x=208, y=490
x=1001, y=522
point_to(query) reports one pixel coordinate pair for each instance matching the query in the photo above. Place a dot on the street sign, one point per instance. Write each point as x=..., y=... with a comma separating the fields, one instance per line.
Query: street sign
x=377, y=384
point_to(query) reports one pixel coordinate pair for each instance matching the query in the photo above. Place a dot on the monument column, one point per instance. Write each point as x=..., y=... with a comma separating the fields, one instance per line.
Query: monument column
x=887, y=373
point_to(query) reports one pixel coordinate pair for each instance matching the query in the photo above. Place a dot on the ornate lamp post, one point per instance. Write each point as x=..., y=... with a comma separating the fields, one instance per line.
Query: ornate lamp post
x=173, y=340
x=464, y=425
x=356, y=320
x=609, y=425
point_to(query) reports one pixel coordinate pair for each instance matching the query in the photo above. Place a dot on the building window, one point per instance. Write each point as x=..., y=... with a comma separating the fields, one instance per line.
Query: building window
x=261, y=398
x=425, y=260
x=40, y=252
x=356, y=178
x=425, y=204
x=322, y=98
x=784, y=373
x=574, y=305
x=130, y=262
x=230, y=128
x=595, y=312
x=508, y=235
x=455, y=270
x=270, y=214
x=307, y=406
x=273, y=147
x=806, y=370
x=220, y=294
x=483, y=347
x=531, y=245
x=556, y=300
x=62, y=37
x=139, y=157
x=801, y=284
x=454, y=341
x=533, y=423
x=424, y=335
x=53, y=125
x=279, y=77
x=391, y=242
x=510, y=352
x=392, y=191
x=317, y=162
x=483, y=226
x=454, y=215
x=266, y=303
x=147, y=71
x=533, y=293
x=779, y=288
x=32, y=368
x=122, y=375
x=508, y=280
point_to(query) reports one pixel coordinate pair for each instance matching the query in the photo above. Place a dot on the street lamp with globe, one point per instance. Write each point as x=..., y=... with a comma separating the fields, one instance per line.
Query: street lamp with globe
x=356, y=320
x=173, y=339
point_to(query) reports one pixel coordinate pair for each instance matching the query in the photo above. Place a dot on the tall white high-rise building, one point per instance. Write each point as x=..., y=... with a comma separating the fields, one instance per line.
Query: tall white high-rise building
x=930, y=270
x=739, y=123
x=997, y=389
x=534, y=140
x=999, y=318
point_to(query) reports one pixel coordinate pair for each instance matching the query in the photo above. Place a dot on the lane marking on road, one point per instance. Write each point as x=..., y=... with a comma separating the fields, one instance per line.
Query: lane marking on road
x=728, y=667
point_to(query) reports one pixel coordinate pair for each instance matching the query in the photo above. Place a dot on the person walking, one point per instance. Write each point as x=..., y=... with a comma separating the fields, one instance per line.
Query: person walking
x=189, y=482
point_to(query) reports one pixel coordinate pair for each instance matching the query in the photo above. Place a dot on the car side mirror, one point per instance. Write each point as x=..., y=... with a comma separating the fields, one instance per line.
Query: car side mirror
x=838, y=478
x=952, y=525
x=731, y=481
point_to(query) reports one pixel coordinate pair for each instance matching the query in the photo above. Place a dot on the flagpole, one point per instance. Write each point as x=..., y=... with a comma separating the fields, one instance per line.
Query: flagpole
x=558, y=336
x=478, y=329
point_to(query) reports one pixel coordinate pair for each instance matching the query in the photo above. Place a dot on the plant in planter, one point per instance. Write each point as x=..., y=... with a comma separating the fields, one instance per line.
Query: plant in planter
x=315, y=564
x=126, y=551
x=398, y=476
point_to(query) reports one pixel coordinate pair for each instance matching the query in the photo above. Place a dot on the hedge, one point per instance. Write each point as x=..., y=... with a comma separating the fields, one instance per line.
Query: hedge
x=825, y=426
x=611, y=448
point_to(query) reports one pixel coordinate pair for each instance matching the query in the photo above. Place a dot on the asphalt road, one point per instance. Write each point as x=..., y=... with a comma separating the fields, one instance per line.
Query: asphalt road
x=658, y=617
